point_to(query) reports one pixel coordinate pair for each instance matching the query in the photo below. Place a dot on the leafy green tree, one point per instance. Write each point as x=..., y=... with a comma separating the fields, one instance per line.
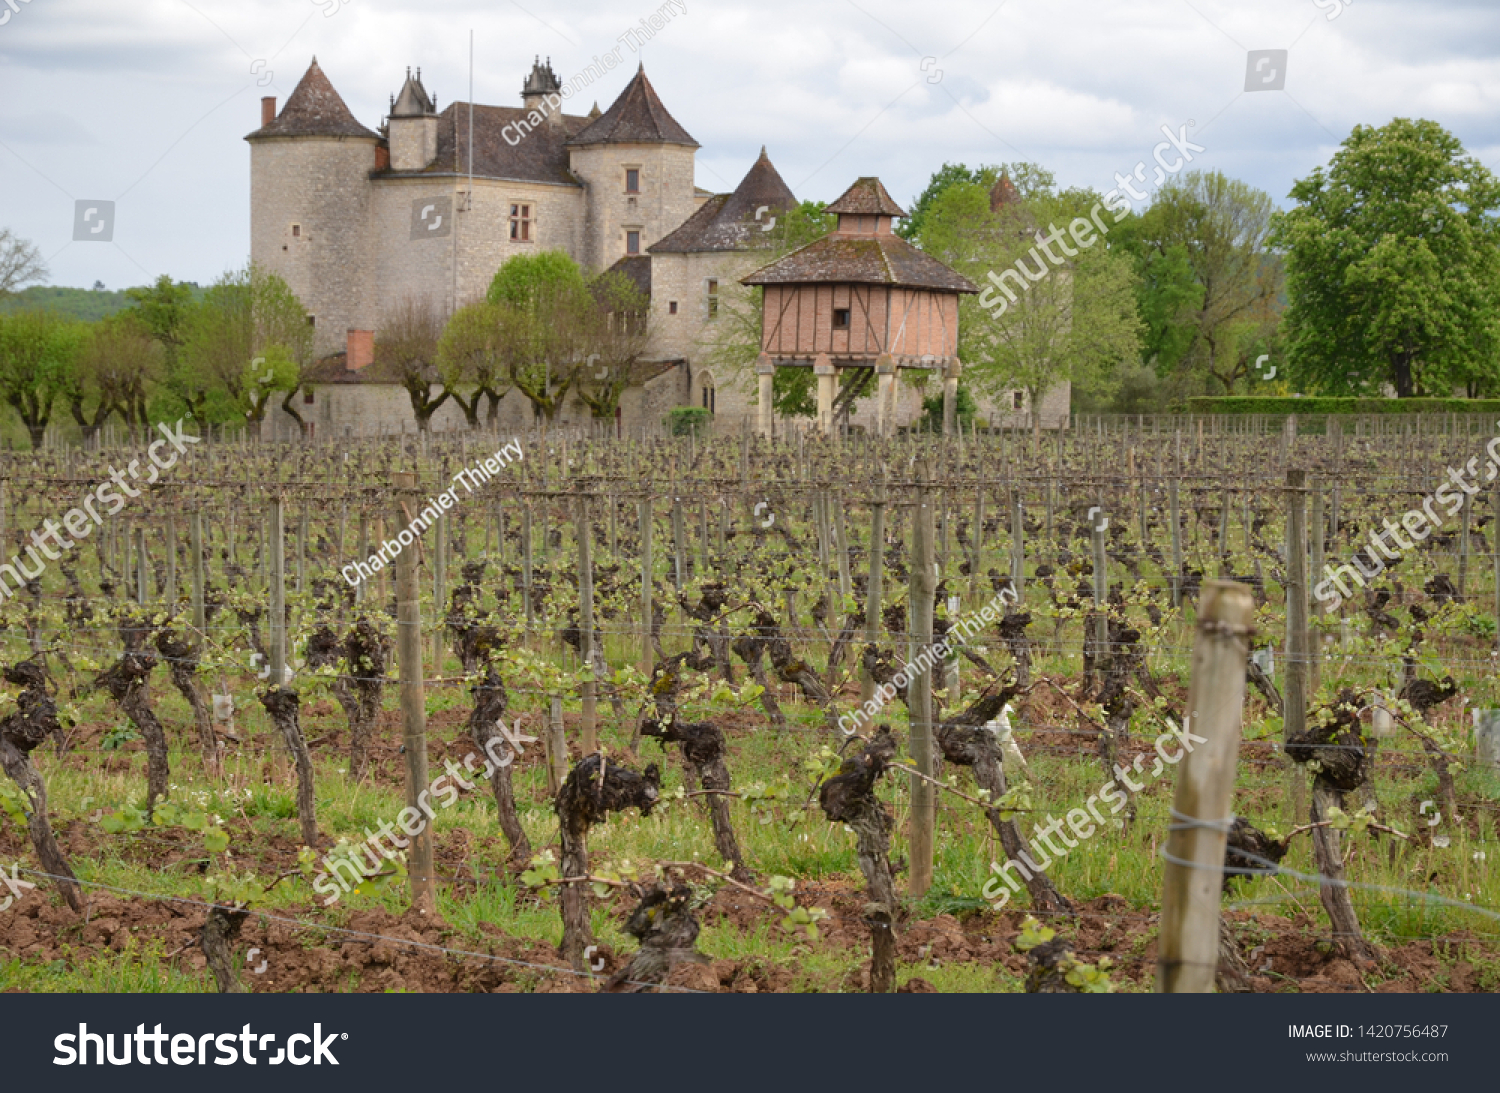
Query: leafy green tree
x=246, y=340
x=544, y=311
x=1029, y=179
x=1392, y=268
x=119, y=362
x=1210, y=289
x=1073, y=320
x=38, y=357
x=469, y=361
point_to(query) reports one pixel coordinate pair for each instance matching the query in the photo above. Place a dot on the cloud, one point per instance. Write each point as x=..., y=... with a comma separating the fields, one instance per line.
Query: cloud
x=148, y=102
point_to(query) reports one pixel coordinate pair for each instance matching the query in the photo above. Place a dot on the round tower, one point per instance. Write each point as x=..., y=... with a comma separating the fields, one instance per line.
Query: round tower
x=310, y=205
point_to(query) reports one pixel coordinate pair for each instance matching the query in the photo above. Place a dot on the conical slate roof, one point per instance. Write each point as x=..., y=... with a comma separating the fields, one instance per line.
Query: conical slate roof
x=867, y=197
x=314, y=109
x=727, y=221
x=636, y=117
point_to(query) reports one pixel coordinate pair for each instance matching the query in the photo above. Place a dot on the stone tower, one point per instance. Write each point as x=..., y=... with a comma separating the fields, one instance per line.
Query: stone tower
x=309, y=205
x=412, y=128
x=636, y=164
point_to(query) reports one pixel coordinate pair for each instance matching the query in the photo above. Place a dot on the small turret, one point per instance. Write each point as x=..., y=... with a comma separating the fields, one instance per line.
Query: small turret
x=542, y=92
x=412, y=127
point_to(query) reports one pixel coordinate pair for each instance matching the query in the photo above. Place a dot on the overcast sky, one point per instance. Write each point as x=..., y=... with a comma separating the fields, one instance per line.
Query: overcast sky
x=146, y=103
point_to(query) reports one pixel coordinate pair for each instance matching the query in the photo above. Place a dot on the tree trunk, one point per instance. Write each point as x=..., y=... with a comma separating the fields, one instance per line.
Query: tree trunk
x=490, y=703
x=282, y=704
x=220, y=929
x=1335, y=897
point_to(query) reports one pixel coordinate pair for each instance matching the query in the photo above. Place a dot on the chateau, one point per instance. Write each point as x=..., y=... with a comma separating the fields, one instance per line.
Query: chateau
x=428, y=207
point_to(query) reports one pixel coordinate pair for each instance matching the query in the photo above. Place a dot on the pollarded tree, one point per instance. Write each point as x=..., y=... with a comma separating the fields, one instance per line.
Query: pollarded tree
x=38, y=357
x=543, y=315
x=407, y=345
x=247, y=339
x=1393, y=274
x=469, y=361
x=615, y=334
x=119, y=363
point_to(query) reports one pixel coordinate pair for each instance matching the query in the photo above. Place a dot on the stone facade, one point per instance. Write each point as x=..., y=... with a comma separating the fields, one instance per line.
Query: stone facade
x=335, y=211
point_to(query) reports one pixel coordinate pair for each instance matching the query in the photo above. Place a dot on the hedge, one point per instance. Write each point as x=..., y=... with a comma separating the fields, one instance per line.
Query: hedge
x=1252, y=404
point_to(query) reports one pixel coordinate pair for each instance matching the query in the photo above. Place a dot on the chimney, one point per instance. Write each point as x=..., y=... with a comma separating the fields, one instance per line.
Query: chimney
x=267, y=110
x=360, y=349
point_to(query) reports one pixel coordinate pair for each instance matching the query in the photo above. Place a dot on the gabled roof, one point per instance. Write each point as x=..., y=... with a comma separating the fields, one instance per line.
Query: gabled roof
x=413, y=100
x=862, y=260
x=314, y=109
x=636, y=117
x=727, y=221
x=866, y=197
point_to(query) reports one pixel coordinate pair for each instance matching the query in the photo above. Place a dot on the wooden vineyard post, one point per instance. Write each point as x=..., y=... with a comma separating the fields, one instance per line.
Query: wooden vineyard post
x=1097, y=527
x=1295, y=691
x=588, y=729
x=364, y=553
x=556, y=745
x=302, y=530
x=1315, y=644
x=874, y=584
x=413, y=709
x=439, y=592
x=1175, y=517
x=277, y=532
x=1495, y=554
x=200, y=621
x=923, y=587
x=1017, y=546
x=142, y=590
x=170, y=593
x=526, y=566
x=1463, y=549
x=646, y=590
x=1188, y=953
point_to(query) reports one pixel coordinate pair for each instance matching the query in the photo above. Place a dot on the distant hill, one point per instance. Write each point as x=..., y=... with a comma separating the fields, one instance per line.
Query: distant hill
x=77, y=303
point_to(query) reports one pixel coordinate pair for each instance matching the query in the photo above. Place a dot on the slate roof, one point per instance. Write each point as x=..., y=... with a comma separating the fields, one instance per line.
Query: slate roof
x=636, y=117
x=864, y=260
x=867, y=197
x=314, y=109
x=413, y=100
x=538, y=156
x=726, y=222
x=638, y=268
x=334, y=369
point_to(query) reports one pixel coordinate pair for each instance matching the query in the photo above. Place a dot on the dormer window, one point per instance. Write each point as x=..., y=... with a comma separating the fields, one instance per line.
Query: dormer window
x=632, y=180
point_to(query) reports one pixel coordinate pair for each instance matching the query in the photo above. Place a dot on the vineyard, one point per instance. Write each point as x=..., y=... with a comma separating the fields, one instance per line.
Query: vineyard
x=561, y=714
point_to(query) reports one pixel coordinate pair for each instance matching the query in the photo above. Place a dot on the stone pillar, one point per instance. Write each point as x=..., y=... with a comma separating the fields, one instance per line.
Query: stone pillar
x=885, y=395
x=828, y=386
x=950, y=396
x=766, y=371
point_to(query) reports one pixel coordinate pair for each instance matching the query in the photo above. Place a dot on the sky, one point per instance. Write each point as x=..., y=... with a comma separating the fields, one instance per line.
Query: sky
x=145, y=104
